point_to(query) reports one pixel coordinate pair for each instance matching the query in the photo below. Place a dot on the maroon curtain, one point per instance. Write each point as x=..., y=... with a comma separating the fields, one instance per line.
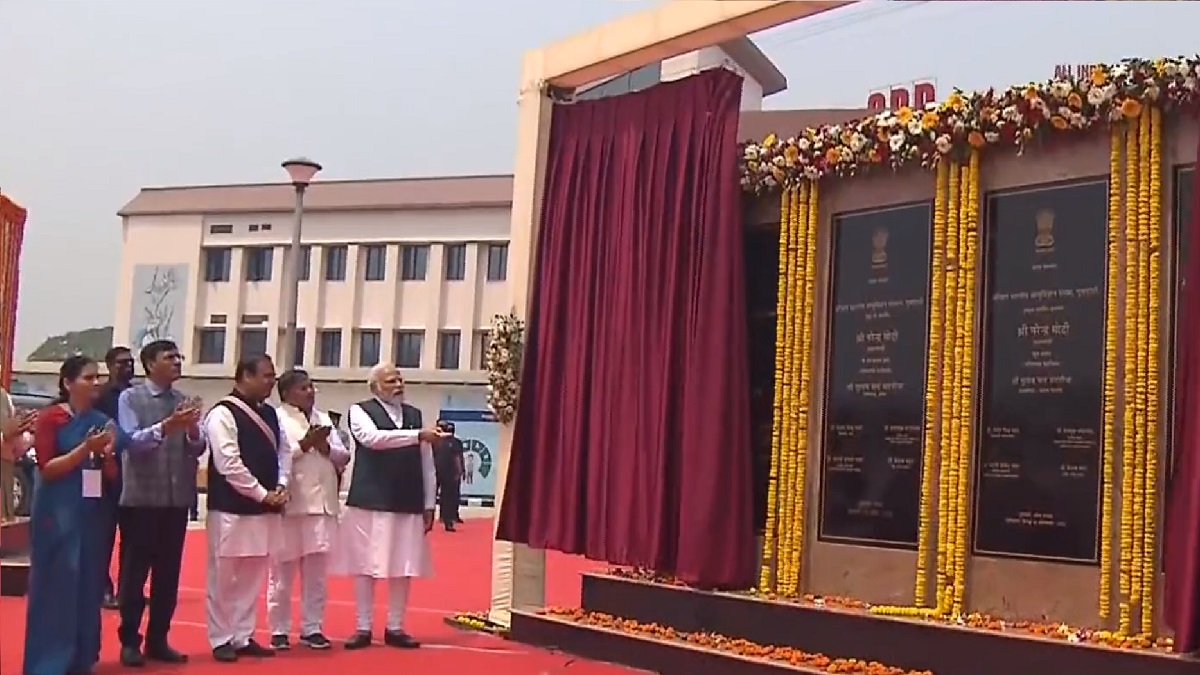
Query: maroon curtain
x=1181, y=541
x=632, y=444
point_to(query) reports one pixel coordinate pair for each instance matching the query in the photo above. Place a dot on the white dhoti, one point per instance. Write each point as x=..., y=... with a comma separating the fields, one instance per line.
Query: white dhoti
x=305, y=542
x=380, y=545
x=239, y=550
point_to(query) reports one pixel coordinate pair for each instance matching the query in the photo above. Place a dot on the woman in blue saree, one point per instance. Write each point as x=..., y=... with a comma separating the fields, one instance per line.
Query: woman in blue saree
x=75, y=446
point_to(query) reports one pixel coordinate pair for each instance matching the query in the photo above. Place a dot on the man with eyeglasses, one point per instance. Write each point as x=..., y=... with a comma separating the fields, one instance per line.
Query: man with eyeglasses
x=158, y=486
x=119, y=361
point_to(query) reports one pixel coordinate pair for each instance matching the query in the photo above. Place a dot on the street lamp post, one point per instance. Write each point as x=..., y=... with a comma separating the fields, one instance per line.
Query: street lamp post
x=301, y=170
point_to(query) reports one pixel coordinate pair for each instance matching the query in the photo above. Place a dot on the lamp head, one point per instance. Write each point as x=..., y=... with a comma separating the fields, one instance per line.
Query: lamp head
x=301, y=170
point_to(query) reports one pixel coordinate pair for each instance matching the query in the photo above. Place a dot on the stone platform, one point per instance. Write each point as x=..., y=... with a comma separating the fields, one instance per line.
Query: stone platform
x=907, y=643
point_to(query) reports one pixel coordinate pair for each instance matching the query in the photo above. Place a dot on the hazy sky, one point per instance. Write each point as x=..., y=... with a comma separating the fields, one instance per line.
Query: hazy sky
x=101, y=97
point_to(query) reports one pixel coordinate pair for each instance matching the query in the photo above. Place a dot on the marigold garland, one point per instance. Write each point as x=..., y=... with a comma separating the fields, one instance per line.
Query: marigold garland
x=1111, y=345
x=1129, y=382
x=770, y=539
x=783, y=542
x=1141, y=316
x=949, y=390
x=933, y=395
x=969, y=281
x=951, y=400
x=790, y=533
x=804, y=364
x=1153, y=401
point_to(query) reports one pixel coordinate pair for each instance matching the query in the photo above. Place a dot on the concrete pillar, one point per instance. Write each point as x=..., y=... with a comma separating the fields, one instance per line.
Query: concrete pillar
x=518, y=571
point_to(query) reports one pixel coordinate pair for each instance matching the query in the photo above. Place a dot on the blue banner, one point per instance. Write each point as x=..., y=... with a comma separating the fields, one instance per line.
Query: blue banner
x=480, y=436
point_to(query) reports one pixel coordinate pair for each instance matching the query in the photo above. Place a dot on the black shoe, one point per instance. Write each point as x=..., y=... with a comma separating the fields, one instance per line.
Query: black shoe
x=400, y=639
x=165, y=654
x=459, y=521
x=450, y=527
x=225, y=653
x=280, y=642
x=256, y=650
x=360, y=640
x=315, y=641
x=110, y=602
x=131, y=657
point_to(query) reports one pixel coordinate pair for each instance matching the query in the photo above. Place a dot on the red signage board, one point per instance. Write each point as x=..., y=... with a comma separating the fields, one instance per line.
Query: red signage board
x=911, y=95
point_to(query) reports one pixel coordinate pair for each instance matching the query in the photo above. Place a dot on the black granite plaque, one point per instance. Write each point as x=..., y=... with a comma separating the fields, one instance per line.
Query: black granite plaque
x=1182, y=209
x=1041, y=419
x=874, y=410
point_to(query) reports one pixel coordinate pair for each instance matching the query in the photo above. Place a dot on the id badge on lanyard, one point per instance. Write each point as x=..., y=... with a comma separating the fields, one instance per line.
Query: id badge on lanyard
x=93, y=481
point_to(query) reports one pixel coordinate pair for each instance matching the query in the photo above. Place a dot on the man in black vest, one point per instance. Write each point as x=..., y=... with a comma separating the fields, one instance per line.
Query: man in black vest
x=248, y=466
x=390, y=506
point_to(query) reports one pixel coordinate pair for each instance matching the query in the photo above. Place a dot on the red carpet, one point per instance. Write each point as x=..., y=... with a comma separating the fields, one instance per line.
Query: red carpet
x=462, y=583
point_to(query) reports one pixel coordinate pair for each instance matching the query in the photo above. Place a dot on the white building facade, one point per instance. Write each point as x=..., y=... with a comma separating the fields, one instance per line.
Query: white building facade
x=405, y=271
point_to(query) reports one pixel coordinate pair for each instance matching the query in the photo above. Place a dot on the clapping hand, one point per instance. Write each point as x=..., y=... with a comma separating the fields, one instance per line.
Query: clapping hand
x=18, y=424
x=185, y=415
x=316, y=438
x=99, y=442
x=432, y=435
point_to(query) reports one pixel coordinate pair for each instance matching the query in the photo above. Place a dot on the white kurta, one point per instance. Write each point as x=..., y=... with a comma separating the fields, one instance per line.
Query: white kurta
x=379, y=544
x=304, y=534
x=232, y=535
x=239, y=546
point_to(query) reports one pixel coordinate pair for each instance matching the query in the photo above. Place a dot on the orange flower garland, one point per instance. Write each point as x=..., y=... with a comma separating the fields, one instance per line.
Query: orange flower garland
x=783, y=542
x=1153, y=394
x=949, y=391
x=770, y=538
x=1111, y=345
x=933, y=378
x=1129, y=380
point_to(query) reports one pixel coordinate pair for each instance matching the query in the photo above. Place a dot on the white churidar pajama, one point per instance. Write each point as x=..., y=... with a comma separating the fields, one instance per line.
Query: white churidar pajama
x=309, y=525
x=380, y=545
x=239, y=546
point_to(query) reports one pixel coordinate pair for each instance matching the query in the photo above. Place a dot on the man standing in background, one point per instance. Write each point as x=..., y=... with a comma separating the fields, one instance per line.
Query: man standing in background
x=158, y=487
x=119, y=361
x=13, y=443
x=448, y=460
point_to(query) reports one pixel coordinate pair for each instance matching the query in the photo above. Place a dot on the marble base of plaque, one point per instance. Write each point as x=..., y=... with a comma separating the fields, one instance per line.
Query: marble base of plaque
x=911, y=644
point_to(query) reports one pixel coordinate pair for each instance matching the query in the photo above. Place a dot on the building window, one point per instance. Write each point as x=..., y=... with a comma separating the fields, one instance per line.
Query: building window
x=483, y=338
x=217, y=263
x=449, y=346
x=368, y=347
x=497, y=262
x=298, y=354
x=305, y=263
x=375, y=264
x=456, y=262
x=258, y=263
x=335, y=263
x=220, y=228
x=414, y=262
x=407, y=350
x=329, y=348
x=252, y=341
x=212, y=345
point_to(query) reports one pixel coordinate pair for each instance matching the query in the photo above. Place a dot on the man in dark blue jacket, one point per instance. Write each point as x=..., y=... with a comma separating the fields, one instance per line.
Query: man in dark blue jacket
x=120, y=376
